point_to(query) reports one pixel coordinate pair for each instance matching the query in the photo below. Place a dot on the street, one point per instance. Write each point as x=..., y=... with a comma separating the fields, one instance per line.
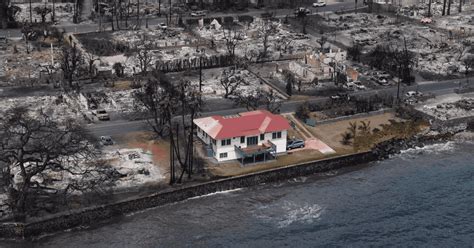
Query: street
x=121, y=127
x=153, y=21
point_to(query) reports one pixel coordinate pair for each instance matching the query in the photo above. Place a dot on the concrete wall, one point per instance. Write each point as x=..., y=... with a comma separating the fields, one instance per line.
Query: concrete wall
x=94, y=215
x=360, y=115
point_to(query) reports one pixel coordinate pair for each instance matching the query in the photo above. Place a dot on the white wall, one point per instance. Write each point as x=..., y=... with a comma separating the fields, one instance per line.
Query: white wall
x=232, y=154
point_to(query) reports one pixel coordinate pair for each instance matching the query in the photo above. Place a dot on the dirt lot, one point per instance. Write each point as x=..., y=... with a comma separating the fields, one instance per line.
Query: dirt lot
x=144, y=140
x=331, y=133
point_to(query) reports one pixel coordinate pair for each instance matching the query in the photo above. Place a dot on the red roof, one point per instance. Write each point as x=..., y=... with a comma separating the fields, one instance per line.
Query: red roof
x=247, y=123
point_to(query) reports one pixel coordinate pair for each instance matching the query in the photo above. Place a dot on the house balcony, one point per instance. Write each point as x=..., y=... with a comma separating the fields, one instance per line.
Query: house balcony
x=256, y=153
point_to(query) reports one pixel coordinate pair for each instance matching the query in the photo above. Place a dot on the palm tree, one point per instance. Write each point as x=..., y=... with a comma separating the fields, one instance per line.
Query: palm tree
x=346, y=138
x=353, y=128
x=365, y=127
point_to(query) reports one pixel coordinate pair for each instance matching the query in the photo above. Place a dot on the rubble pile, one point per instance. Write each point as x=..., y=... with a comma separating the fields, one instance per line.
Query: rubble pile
x=465, y=104
x=135, y=166
x=282, y=39
x=360, y=20
x=212, y=88
x=160, y=38
x=435, y=51
x=59, y=107
x=63, y=12
x=421, y=9
x=26, y=66
x=450, y=108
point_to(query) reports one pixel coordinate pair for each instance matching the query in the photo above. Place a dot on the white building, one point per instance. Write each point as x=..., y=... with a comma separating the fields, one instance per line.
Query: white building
x=250, y=135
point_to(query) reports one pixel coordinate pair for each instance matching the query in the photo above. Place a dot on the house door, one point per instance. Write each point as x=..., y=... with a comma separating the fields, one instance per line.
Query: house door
x=251, y=141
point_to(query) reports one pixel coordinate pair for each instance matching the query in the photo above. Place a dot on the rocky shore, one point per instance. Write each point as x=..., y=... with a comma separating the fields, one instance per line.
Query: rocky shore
x=384, y=149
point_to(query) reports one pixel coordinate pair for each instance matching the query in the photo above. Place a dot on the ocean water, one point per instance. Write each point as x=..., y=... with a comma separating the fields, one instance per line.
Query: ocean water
x=421, y=198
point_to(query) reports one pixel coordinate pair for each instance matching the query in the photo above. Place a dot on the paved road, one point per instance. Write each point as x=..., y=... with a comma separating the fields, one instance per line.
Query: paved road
x=153, y=21
x=120, y=127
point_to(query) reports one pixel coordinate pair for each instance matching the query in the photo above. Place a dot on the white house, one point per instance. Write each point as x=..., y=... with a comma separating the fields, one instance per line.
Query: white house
x=246, y=135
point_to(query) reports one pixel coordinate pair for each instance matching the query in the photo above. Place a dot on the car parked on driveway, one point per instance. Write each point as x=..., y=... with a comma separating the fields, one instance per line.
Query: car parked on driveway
x=294, y=144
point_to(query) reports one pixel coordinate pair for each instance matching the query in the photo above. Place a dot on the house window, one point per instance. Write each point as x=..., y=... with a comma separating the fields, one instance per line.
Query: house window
x=276, y=135
x=223, y=155
x=251, y=141
x=262, y=136
x=225, y=142
x=242, y=139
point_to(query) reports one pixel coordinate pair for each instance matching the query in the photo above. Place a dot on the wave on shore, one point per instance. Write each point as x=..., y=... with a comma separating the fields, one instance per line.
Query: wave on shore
x=431, y=149
x=287, y=213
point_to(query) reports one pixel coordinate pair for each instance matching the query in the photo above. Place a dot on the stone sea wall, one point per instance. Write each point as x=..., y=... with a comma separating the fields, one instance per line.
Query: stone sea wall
x=94, y=215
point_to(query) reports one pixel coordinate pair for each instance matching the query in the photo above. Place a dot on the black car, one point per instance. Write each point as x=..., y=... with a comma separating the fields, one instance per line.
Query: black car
x=293, y=144
x=106, y=140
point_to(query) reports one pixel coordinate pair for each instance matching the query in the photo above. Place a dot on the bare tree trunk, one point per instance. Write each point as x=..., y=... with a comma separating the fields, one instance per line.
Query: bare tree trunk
x=449, y=7
x=159, y=7
x=170, y=14
x=100, y=18
x=138, y=13
x=444, y=7
x=460, y=6
x=112, y=22
x=117, y=16
x=31, y=13
x=54, y=11
x=128, y=13
x=429, y=8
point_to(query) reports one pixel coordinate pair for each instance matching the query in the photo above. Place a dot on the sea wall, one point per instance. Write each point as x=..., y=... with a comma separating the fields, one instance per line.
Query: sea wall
x=93, y=215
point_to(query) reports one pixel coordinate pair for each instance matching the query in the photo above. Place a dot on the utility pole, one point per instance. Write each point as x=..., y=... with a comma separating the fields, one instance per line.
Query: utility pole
x=159, y=7
x=398, y=88
x=138, y=13
x=54, y=11
x=100, y=18
x=52, y=56
x=31, y=13
x=200, y=73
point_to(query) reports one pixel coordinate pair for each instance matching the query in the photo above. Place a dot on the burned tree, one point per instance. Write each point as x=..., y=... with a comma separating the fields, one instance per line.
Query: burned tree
x=90, y=59
x=259, y=99
x=264, y=32
x=232, y=38
x=172, y=108
x=468, y=63
x=231, y=80
x=118, y=69
x=303, y=17
x=43, y=160
x=42, y=11
x=355, y=52
x=71, y=59
x=322, y=41
x=144, y=55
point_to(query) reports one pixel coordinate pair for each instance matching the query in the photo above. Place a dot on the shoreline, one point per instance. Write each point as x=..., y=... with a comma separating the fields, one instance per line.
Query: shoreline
x=96, y=216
